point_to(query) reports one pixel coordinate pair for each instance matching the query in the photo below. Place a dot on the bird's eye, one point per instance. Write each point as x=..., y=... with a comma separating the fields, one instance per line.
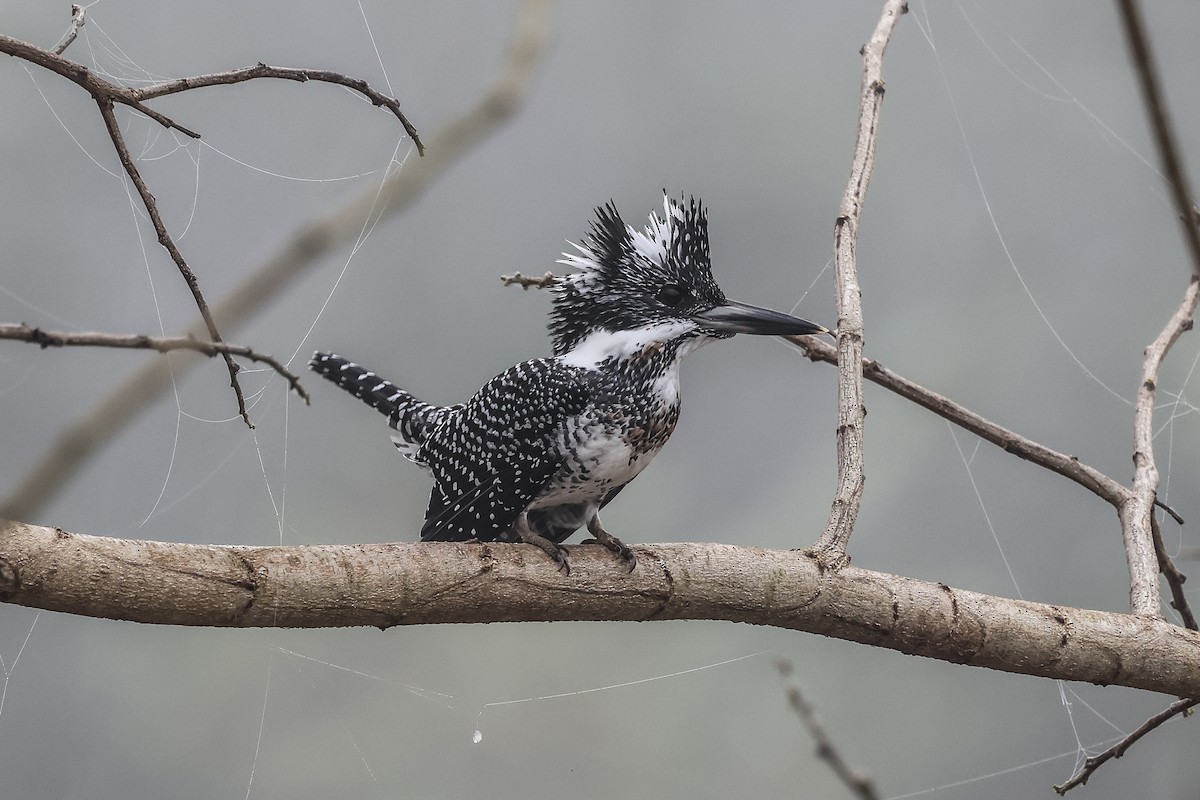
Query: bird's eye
x=671, y=295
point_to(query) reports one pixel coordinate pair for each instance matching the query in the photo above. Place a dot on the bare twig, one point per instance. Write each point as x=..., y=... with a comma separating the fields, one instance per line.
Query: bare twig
x=860, y=785
x=168, y=243
x=107, y=95
x=1160, y=122
x=527, y=282
x=27, y=333
x=1183, y=706
x=1172, y=513
x=86, y=435
x=261, y=70
x=831, y=546
x=78, y=13
x=1138, y=509
x=103, y=90
x=1175, y=578
x=100, y=89
x=1092, y=479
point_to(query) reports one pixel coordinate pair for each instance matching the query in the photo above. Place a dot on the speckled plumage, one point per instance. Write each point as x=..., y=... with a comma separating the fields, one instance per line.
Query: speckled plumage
x=540, y=448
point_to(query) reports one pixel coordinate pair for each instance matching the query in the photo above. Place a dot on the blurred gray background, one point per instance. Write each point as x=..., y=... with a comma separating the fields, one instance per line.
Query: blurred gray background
x=750, y=106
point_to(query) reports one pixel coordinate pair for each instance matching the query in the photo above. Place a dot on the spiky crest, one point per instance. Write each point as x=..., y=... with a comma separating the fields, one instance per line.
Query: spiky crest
x=621, y=269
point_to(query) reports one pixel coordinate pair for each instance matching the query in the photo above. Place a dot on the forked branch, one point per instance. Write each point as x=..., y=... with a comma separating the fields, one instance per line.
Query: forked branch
x=1137, y=511
x=1093, y=763
x=108, y=95
x=83, y=437
x=163, y=344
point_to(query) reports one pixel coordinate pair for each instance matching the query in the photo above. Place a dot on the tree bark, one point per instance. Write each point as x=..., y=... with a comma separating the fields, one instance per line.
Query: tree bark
x=425, y=583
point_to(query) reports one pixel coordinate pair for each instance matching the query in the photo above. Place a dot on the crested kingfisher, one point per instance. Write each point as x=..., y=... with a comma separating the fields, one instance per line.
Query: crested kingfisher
x=543, y=446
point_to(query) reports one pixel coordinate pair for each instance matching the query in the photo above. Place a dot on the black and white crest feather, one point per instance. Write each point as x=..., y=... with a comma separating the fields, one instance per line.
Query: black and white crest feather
x=620, y=270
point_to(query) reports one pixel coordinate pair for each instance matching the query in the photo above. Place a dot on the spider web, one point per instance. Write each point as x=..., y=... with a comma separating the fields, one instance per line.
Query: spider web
x=1005, y=262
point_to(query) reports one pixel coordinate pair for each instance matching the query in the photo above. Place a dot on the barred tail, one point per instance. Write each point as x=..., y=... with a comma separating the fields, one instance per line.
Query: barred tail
x=411, y=418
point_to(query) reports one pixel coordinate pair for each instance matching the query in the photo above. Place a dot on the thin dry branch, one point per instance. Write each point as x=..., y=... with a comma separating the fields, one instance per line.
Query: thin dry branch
x=1138, y=510
x=1183, y=706
x=168, y=243
x=1175, y=578
x=831, y=546
x=1160, y=123
x=78, y=15
x=1090, y=478
x=85, y=436
x=107, y=95
x=164, y=344
x=415, y=583
x=1128, y=502
x=261, y=70
x=859, y=784
x=528, y=282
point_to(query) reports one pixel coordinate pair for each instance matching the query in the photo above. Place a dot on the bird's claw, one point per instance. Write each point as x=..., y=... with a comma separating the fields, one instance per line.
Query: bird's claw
x=619, y=548
x=560, y=560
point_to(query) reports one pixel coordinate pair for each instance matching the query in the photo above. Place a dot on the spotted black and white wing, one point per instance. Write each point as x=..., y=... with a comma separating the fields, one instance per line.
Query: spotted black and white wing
x=492, y=459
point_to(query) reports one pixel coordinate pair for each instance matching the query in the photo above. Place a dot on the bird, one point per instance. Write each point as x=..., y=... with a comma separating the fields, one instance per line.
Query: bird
x=537, y=452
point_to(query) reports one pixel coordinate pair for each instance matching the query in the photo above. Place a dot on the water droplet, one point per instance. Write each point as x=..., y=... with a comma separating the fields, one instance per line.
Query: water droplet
x=477, y=737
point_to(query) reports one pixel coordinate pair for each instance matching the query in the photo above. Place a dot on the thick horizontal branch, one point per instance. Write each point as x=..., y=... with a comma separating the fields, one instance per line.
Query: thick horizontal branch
x=163, y=344
x=421, y=583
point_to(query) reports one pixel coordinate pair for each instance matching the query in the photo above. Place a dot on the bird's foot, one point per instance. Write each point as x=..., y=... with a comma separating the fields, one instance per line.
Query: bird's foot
x=557, y=553
x=614, y=544
x=622, y=550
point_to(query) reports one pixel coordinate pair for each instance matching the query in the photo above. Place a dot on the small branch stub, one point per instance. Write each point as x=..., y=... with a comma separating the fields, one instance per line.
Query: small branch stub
x=78, y=14
x=527, y=282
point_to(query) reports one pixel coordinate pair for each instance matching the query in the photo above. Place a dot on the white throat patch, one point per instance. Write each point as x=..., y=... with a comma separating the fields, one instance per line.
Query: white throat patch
x=599, y=346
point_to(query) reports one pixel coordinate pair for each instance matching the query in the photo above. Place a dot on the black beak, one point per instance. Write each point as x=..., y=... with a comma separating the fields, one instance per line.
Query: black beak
x=734, y=317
